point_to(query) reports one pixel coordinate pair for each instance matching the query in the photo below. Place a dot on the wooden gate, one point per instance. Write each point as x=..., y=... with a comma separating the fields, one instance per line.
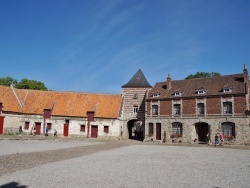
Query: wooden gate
x=66, y=129
x=1, y=124
x=94, y=131
x=37, y=128
x=158, y=131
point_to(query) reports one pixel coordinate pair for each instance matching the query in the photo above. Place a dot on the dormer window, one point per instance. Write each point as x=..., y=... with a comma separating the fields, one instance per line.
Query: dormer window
x=157, y=94
x=177, y=93
x=200, y=90
x=227, y=88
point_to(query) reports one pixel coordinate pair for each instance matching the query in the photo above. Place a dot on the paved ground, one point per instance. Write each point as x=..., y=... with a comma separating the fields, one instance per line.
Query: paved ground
x=119, y=163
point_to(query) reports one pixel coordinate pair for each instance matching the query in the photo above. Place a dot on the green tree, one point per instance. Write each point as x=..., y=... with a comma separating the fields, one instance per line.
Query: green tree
x=31, y=84
x=203, y=75
x=7, y=81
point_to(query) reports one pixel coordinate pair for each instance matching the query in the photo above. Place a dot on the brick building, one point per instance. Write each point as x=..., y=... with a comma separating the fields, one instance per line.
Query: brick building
x=170, y=111
x=187, y=110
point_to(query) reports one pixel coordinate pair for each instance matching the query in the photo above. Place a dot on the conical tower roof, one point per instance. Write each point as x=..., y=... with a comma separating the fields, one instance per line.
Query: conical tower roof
x=138, y=80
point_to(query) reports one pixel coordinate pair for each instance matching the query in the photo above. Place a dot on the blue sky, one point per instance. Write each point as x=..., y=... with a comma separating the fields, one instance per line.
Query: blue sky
x=98, y=45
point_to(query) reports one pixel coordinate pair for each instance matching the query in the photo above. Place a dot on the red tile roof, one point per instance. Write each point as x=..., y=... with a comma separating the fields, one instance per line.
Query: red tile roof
x=64, y=103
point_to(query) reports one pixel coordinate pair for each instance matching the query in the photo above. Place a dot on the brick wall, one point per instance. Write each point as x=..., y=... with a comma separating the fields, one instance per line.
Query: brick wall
x=239, y=104
x=213, y=106
x=188, y=106
x=166, y=108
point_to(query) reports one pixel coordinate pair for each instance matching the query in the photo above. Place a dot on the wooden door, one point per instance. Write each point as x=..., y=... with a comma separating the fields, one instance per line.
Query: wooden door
x=1, y=124
x=37, y=128
x=66, y=129
x=158, y=131
x=94, y=131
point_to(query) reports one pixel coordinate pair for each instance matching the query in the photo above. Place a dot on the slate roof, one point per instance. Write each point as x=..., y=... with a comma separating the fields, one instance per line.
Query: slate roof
x=212, y=86
x=74, y=104
x=137, y=81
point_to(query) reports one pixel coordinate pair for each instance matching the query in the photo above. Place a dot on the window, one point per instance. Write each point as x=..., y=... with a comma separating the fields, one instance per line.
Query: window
x=201, y=92
x=200, y=108
x=135, y=96
x=227, y=90
x=135, y=109
x=82, y=128
x=177, y=94
x=227, y=107
x=106, y=129
x=176, y=129
x=67, y=121
x=26, y=125
x=49, y=125
x=156, y=94
x=154, y=109
x=177, y=109
x=150, y=129
x=228, y=130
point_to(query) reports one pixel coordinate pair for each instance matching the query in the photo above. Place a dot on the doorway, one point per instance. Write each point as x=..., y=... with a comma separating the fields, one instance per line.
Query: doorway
x=202, y=129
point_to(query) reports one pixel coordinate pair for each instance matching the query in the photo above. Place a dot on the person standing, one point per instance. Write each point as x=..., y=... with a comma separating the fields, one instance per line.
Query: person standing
x=46, y=131
x=208, y=139
x=216, y=139
x=221, y=139
x=55, y=133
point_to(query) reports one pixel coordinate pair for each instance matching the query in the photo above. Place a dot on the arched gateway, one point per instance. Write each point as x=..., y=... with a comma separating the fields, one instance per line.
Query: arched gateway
x=135, y=129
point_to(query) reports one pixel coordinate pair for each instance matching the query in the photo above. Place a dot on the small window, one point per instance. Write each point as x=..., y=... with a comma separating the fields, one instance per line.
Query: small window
x=227, y=90
x=177, y=93
x=154, y=109
x=177, y=109
x=227, y=107
x=200, y=108
x=26, y=125
x=135, y=109
x=67, y=121
x=49, y=125
x=82, y=128
x=135, y=96
x=106, y=129
x=201, y=91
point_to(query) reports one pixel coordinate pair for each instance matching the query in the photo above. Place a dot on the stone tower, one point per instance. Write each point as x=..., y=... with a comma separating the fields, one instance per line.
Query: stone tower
x=133, y=106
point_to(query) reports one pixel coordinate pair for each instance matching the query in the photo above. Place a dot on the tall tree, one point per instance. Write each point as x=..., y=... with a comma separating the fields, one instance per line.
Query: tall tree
x=203, y=75
x=7, y=81
x=31, y=84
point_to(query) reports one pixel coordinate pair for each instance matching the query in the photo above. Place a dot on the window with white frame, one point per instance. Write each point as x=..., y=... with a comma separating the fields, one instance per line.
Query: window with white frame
x=225, y=90
x=227, y=107
x=135, y=109
x=154, y=109
x=177, y=93
x=200, y=108
x=177, y=109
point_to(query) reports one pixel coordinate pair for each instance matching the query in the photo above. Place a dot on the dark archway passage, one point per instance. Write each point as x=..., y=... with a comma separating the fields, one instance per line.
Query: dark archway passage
x=202, y=129
x=135, y=130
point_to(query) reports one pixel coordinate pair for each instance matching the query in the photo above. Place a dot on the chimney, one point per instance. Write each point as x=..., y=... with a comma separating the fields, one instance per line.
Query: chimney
x=245, y=73
x=168, y=82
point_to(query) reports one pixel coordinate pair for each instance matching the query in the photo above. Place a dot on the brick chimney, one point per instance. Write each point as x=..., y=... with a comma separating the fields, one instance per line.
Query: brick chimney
x=168, y=82
x=245, y=71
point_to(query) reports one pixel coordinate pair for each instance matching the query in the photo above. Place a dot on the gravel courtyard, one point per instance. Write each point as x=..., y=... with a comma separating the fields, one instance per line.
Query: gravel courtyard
x=50, y=163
